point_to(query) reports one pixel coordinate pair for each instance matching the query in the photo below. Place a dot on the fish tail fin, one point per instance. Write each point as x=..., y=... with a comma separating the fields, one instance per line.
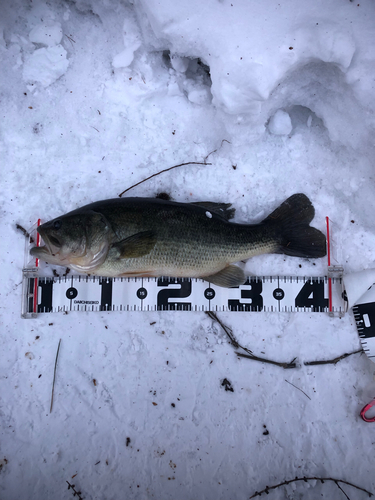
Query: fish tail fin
x=295, y=236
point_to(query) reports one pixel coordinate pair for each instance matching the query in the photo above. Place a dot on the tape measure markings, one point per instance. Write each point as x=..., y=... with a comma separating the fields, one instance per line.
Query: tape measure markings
x=92, y=293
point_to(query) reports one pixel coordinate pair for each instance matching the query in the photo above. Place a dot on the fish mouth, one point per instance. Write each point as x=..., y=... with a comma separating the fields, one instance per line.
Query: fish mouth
x=53, y=252
x=49, y=251
x=40, y=251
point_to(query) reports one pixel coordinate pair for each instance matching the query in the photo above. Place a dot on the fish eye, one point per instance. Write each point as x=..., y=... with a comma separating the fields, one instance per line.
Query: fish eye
x=57, y=224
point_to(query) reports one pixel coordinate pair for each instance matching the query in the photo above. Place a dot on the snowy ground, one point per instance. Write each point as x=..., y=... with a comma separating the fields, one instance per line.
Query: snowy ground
x=97, y=95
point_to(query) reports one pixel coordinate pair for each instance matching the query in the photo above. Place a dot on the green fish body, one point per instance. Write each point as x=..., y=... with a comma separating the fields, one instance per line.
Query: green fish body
x=152, y=237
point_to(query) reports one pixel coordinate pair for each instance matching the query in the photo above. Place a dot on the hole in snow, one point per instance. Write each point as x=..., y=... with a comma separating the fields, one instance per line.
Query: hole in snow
x=322, y=88
x=193, y=68
x=189, y=76
x=302, y=116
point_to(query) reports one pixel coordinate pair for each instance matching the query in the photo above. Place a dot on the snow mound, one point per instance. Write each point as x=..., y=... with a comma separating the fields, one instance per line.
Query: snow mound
x=270, y=47
x=48, y=33
x=132, y=41
x=46, y=65
x=280, y=123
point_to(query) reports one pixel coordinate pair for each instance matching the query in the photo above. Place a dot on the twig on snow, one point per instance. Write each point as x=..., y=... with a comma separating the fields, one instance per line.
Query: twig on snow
x=229, y=332
x=249, y=354
x=226, y=329
x=54, y=375
x=321, y=479
x=291, y=364
x=339, y=487
x=334, y=360
x=78, y=493
x=23, y=230
x=70, y=39
x=298, y=388
x=162, y=171
x=214, y=151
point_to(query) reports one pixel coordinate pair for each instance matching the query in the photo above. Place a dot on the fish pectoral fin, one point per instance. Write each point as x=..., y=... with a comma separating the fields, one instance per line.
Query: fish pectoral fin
x=136, y=245
x=228, y=277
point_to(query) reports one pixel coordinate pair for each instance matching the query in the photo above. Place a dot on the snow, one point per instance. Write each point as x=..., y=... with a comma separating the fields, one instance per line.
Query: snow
x=48, y=33
x=280, y=123
x=98, y=95
x=46, y=65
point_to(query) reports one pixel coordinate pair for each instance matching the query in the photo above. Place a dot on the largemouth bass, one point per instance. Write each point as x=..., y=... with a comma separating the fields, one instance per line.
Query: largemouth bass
x=152, y=237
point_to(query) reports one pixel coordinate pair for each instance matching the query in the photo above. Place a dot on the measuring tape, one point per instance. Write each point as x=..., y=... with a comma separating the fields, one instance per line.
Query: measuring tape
x=43, y=294
x=47, y=294
x=267, y=293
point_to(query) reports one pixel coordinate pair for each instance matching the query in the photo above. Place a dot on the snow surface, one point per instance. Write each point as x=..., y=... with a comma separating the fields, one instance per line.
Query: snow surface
x=280, y=123
x=97, y=95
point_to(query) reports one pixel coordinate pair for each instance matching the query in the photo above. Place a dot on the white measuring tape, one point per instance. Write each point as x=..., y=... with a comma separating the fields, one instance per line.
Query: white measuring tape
x=47, y=294
x=267, y=293
x=42, y=294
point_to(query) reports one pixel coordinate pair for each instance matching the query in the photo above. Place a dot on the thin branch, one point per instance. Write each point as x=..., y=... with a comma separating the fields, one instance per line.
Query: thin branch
x=249, y=354
x=334, y=360
x=78, y=493
x=23, y=230
x=70, y=40
x=54, y=375
x=339, y=487
x=297, y=388
x=226, y=329
x=214, y=151
x=291, y=364
x=322, y=479
x=162, y=171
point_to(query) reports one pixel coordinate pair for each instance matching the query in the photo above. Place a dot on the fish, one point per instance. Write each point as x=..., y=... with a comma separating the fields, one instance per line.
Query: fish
x=150, y=237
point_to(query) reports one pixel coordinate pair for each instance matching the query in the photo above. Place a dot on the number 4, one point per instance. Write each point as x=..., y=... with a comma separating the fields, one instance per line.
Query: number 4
x=312, y=296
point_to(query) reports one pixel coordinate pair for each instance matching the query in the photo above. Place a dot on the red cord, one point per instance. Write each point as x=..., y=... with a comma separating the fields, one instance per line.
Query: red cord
x=366, y=409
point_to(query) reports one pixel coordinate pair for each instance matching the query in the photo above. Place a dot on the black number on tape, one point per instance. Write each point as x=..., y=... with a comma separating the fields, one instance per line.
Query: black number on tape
x=46, y=296
x=312, y=296
x=31, y=293
x=209, y=293
x=141, y=293
x=183, y=292
x=254, y=293
x=365, y=318
x=278, y=294
x=71, y=293
x=106, y=296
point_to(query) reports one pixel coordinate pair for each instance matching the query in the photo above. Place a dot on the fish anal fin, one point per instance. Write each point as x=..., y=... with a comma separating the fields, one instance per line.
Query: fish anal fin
x=228, y=277
x=137, y=245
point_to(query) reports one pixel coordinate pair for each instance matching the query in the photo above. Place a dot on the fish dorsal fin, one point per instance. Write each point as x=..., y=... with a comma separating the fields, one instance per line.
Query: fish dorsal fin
x=137, y=245
x=228, y=277
x=222, y=209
